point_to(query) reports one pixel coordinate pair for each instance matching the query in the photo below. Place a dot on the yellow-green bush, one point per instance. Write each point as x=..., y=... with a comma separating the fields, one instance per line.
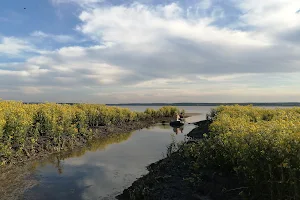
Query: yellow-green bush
x=261, y=146
x=22, y=125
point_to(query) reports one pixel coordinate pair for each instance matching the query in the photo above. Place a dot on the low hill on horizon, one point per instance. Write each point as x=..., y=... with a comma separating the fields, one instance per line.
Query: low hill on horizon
x=283, y=104
x=208, y=104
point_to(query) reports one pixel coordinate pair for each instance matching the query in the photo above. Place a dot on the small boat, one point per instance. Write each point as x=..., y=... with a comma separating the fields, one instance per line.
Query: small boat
x=176, y=123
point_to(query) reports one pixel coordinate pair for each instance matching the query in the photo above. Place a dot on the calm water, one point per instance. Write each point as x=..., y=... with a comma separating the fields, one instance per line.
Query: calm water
x=105, y=168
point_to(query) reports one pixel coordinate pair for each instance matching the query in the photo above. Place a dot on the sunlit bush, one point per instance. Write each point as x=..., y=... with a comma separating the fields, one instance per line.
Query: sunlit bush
x=22, y=125
x=261, y=146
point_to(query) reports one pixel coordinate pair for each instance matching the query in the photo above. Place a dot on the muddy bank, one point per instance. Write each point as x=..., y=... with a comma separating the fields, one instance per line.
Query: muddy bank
x=15, y=181
x=175, y=178
x=45, y=146
x=201, y=129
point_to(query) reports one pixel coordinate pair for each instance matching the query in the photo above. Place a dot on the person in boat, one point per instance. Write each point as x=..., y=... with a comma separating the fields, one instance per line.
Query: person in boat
x=177, y=117
x=181, y=117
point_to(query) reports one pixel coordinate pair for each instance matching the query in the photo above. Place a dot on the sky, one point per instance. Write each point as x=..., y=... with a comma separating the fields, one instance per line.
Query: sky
x=124, y=51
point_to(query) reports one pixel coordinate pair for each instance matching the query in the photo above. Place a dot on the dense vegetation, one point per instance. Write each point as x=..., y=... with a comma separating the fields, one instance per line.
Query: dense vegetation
x=259, y=146
x=245, y=152
x=25, y=126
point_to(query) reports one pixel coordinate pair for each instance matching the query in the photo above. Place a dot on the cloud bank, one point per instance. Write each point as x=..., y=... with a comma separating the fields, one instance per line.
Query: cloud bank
x=147, y=52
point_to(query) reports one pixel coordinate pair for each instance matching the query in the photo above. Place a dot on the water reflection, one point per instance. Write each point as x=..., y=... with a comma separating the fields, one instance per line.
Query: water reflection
x=178, y=130
x=15, y=181
x=62, y=177
x=164, y=126
x=56, y=160
x=103, y=168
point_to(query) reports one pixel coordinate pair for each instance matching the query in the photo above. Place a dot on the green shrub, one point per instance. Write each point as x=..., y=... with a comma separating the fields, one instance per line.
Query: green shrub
x=260, y=146
x=22, y=125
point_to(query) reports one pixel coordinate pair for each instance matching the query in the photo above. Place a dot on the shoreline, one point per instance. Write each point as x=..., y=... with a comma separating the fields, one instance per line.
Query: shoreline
x=31, y=131
x=170, y=177
x=20, y=169
x=69, y=144
x=43, y=149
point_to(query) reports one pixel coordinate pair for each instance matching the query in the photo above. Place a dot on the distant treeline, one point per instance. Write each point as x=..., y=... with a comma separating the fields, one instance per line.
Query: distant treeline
x=208, y=104
x=191, y=104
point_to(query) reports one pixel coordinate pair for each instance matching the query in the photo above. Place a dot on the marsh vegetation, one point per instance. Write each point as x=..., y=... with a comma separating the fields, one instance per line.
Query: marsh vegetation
x=247, y=153
x=27, y=130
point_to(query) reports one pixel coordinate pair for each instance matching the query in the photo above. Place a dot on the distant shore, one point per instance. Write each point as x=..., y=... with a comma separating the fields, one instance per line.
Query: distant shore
x=267, y=104
x=283, y=104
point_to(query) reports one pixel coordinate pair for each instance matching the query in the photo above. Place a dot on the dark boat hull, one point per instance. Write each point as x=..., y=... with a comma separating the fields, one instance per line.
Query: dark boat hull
x=176, y=123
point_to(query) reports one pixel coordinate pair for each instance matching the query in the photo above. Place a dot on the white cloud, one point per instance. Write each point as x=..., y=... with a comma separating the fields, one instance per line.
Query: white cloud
x=11, y=46
x=273, y=18
x=72, y=51
x=79, y=2
x=270, y=14
x=31, y=90
x=57, y=38
x=182, y=45
x=140, y=25
x=39, y=34
x=40, y=60
x=218, y=78
x=35, y=70
x=13, y=73
x=66, y=67
x=174, y=82
x=162, y=53
x=172, y=11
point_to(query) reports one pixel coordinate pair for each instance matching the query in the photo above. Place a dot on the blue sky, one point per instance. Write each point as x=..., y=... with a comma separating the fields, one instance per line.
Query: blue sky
x=116, y=51
x=38, y=15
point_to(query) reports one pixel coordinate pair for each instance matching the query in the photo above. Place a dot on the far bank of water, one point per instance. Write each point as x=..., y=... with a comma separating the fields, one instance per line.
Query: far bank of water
x=202, y=110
